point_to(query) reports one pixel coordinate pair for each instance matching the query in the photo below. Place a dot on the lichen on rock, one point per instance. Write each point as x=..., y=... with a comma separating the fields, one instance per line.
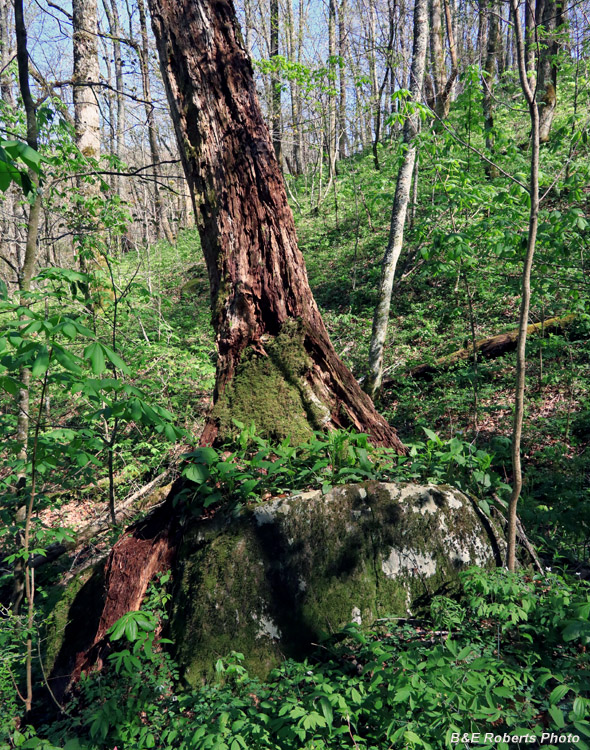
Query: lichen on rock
x=271, y=582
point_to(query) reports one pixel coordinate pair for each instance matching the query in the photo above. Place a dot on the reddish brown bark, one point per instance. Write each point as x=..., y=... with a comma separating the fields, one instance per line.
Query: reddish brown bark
x=147, y=548
x=256, y=270
x=257, y=274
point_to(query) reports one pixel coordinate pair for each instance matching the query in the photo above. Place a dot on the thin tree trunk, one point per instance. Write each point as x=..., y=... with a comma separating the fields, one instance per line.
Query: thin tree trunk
x=342, y=51
x=86, y=121
x=547, y=83
x=528, y=89
x=269, y=331
x=10, y=202
x=23, y=576
x=294, y=91
x=161, y=218
x=332, y=135
x=437, y=52
x=112, y=13
x=400, y=204
x=378, y=116
x=275, y=82
x=86, y=72
x=26, y=273
x=488, y=82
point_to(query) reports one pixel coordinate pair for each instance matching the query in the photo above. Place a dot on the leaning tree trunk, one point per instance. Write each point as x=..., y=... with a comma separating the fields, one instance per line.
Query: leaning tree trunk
x=276, y=365
x=274, y=354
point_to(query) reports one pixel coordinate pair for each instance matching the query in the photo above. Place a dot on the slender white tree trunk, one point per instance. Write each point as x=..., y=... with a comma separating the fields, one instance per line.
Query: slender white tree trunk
x=86, y=72
x=400, y=203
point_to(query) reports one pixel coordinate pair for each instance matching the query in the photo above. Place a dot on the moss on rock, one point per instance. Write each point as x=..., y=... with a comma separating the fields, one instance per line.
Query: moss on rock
x=270, y=583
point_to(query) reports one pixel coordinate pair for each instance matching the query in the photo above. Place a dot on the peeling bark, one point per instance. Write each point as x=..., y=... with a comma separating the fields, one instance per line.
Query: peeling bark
x=146, y=549
x=256, y=271
x=259, y=287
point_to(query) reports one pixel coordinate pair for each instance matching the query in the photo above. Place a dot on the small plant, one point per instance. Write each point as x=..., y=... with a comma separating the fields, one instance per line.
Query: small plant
x=256, y=469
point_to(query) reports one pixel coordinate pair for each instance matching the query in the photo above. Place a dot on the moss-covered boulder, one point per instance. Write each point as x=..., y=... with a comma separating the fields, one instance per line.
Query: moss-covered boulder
x=271, y=581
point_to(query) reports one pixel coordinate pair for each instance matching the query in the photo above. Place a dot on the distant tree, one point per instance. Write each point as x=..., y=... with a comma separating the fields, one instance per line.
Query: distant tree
x=400, y=203
x=276, y=365
x=275, y=82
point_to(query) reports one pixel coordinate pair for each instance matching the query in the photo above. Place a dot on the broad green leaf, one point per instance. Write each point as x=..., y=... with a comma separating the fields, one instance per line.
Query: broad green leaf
x=115, y=359
x=66, y=360
x=196, y=473
x=557, y=716
x=94, y=353
x=558, y=693
x=41, y=363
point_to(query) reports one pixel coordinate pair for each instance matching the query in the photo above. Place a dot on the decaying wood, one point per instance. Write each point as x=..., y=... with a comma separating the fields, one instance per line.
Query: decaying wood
x=147, y=548
x=124, y=511
x=488, y=348
x=257, y=275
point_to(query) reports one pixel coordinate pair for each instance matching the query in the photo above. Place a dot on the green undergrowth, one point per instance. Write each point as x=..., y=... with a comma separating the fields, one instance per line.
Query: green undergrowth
x=253, y=468
x=508, y=656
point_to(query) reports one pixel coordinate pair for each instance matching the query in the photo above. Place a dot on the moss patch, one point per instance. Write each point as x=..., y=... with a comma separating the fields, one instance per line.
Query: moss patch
x=73, y=608
x=270, y=391
x=270, y=583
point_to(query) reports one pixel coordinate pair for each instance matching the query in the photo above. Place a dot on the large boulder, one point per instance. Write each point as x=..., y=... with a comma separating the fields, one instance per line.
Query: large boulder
x=270, y=582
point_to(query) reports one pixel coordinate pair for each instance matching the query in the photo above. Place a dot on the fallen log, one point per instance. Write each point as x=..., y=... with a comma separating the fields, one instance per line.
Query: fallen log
x=161, y=484
x=488, y=348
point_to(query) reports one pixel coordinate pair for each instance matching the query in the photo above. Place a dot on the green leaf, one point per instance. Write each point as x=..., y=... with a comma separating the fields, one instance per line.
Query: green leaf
x=557, y=716
x=327, y=710
x=412, y=737
x=10, y=385
x=115, y=359
x=579, y=708
x=41, y=363
x=69, y=330
x=131, y=628
x=170, y=433
x=117, y=630
x=432, y=436
x=196, y=473
x=558, y=693
x=66, y=360
x=94, y=353
x=204, y=455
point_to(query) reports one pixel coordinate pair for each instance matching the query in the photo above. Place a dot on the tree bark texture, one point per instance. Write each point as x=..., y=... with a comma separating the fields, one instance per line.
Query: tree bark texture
x=86, y=72
x=400, y=203
x=264, y=313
